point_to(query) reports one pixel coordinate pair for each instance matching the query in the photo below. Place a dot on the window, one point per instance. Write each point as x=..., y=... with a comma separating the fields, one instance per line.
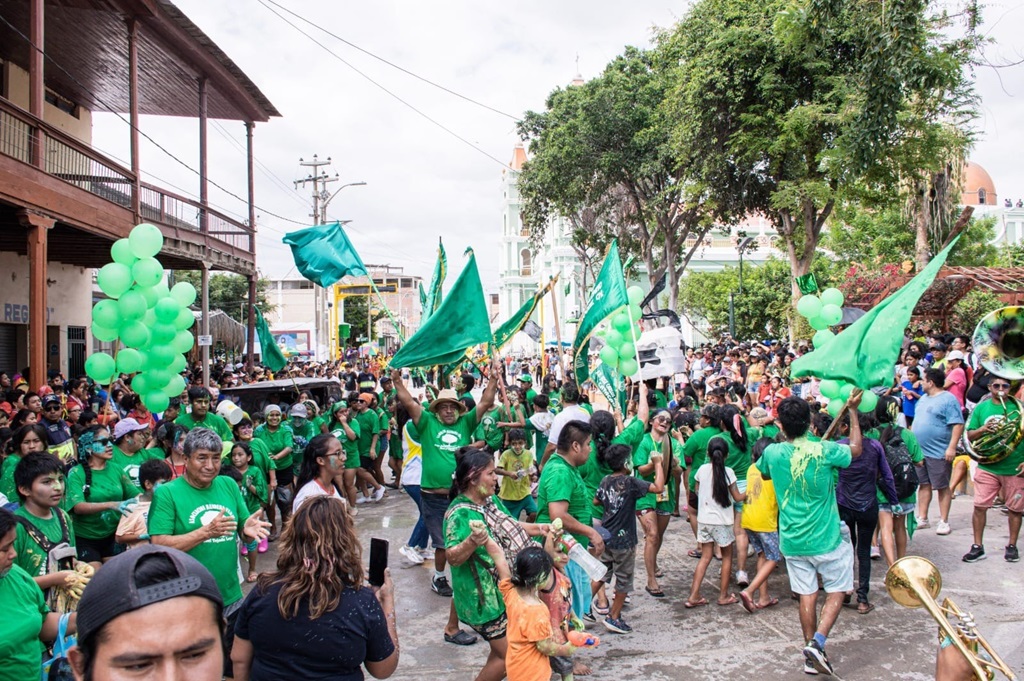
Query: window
x=523, y=229
x=58, y=102
x=296, y=284
x=525, y=263
x=982, y=195
x=407, y=283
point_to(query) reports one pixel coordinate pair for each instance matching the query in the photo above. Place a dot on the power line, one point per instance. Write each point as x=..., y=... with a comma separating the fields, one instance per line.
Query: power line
x=391, y=64
x=269, y=174
x=112, y=110
x=389, y=92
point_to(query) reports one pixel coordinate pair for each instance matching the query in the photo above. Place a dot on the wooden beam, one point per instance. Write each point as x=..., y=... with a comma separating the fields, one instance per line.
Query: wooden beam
x=133, y=114
x=37, y=225
x=36, y=84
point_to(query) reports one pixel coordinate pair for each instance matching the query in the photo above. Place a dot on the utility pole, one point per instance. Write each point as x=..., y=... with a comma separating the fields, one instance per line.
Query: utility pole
x=319, y=180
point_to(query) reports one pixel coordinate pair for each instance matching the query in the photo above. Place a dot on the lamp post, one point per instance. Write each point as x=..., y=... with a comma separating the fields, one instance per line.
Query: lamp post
x=742, y=246
x=327, y=198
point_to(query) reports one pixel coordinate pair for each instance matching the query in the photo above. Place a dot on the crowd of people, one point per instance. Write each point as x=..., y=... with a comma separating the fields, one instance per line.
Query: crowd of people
x=528, y=503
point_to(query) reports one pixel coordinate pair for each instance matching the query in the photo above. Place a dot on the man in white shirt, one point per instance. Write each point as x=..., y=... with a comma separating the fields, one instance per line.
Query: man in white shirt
x=571, y=411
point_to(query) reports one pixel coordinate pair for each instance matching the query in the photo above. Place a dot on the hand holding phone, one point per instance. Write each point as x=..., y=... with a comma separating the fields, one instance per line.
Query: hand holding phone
x=378, y=561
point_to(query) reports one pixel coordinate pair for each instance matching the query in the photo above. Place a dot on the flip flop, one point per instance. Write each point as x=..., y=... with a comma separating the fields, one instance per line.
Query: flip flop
x=770, y=603
x=659, y=573
x=657, y=593
x=696, y=604
x=693, y=553
x=462, y=638
x=732, y=601
x=748, y=602
x=252, y=577
x=865, y=608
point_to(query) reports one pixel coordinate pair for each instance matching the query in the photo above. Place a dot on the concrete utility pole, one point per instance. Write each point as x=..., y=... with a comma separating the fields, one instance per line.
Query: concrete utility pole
x=319, y=179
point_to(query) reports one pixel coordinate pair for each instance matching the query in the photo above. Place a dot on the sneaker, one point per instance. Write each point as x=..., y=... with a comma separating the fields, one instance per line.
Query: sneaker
x=617, y=626
x=440, y=586
x=362, y=499
x=923, y=524
x=742, y=579
x=428, y=554
x=1011, y=555
x=976, y=553
x=814, y=654
x=588, y=616
x=943, y=528
x=411, y=555
x=875, y=553
x=809, y=668
x=378, y=493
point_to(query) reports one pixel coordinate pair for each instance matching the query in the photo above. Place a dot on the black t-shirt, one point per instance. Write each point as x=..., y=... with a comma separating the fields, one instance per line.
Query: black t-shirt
x=618, y=495
x=332, y=647
x=349, y=379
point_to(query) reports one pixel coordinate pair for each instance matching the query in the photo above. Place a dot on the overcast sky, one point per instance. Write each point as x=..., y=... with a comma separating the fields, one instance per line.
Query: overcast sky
x=421, y=181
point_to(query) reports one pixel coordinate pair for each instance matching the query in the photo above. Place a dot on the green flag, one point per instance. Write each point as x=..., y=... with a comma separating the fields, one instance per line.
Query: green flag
x=269, y=352
x=460, y=322
x=610, y=385
x=423, y=299
x=866, y=351
x=607, y=297
x=434, y=295
x=323, y=254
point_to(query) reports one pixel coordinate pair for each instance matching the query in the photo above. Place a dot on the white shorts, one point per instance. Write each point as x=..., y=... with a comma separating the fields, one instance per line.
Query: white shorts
x=835, y=568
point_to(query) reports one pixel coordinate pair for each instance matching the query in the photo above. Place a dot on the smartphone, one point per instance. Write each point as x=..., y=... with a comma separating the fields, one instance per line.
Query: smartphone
x=378, y=561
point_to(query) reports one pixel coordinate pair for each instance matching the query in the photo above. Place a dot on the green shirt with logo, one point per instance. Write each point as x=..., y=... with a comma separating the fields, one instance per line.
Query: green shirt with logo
x=369, y=424
x=130, y=463
x=108, y=484
x=440, y=442
x=351, y=447
x=31, y=556
x=212, y=421
x=276, y=441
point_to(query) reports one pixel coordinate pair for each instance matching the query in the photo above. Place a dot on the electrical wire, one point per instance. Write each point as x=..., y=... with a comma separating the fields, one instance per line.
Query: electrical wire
x=391, y=64
x=387, y=91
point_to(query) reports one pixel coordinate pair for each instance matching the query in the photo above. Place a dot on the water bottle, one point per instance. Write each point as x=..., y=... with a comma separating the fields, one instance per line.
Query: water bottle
x=594, y=568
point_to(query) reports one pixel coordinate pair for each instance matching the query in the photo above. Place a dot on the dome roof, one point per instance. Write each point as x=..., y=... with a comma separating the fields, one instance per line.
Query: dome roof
x=978, y=188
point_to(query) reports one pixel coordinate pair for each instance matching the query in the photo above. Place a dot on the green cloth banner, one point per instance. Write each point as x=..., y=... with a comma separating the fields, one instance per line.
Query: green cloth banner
x=432, y=300
x=609, y=383
x=459, y=323
x=864, y=353
x=270, y=354
x=606, y=298
x=323, y=254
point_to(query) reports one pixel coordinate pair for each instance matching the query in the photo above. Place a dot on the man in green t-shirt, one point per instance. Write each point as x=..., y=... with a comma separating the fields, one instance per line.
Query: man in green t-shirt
x=130, y=438
x=201, y=416
x=811, y=536
x=1003, y=478
x=366, y=416
x=443, y=428
x=202, y=514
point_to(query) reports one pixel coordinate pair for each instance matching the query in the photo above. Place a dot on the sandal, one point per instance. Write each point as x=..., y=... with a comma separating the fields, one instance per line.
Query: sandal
x=696, y=604
x=659, y=573
x=865, y=608
x=748, y=602
x=732, y=600
x=657, y=593
x=253, y=576
x=694, y=553
x=770, y=603
x=463, y=638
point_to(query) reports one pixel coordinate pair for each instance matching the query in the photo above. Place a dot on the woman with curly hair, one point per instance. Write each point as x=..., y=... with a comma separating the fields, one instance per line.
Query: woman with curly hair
x=313, y=617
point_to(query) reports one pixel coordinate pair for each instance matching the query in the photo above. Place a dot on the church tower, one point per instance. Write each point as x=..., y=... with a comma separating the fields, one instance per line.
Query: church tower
x=517, y=273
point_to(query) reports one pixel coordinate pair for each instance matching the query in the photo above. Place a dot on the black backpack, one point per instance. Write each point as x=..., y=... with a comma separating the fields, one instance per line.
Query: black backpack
x=900, y=462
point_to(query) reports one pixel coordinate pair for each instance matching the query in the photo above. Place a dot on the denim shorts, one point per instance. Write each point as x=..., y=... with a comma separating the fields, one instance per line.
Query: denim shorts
x=766, y=543
x=737, y=506
x=433, y=507
x=900, y=509
x=835, y=568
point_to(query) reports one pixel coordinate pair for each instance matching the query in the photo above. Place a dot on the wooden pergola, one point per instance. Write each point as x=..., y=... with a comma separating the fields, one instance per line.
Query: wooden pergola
x=951, y=284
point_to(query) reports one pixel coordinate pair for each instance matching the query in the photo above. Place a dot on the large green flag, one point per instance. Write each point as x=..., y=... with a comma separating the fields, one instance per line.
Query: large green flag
x=270, y=354
x=607, y=296
x=323, y=254
x=609, y=383
x=434, y=295
x=865, y=352
x=460, y=322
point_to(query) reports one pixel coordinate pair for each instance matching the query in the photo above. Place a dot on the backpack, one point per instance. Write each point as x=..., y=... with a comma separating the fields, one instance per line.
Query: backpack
x=60, y=555
x=900, y=462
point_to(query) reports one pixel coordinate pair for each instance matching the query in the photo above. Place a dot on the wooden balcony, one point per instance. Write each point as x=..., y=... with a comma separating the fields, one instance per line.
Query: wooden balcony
x=87, y=191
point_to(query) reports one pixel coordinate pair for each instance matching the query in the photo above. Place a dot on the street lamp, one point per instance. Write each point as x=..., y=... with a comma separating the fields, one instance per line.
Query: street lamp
x=327, y=200
x=320, y=295
x=742, y=247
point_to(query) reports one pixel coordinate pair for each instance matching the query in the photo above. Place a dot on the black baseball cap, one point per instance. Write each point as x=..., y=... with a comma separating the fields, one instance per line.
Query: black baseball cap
x=114, y=592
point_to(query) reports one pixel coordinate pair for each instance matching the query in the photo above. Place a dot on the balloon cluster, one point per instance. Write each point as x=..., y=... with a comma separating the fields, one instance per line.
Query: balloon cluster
x=151, y=321
x=822, y=313
x=619, y=352
x=837, y=393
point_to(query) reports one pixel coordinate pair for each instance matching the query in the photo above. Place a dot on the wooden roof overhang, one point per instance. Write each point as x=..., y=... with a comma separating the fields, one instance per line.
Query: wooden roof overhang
x=950, y=285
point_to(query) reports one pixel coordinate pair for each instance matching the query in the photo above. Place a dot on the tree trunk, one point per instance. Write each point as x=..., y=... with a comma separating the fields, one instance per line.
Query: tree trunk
x=922, y=217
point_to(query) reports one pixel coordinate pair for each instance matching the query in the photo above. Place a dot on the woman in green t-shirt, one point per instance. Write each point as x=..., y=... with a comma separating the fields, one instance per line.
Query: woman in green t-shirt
x=343, y=426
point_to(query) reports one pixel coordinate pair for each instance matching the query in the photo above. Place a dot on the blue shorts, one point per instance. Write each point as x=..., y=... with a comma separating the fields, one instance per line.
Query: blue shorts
x=527, y=504
x=737, y=506
x=835, y=568
x=766, y=543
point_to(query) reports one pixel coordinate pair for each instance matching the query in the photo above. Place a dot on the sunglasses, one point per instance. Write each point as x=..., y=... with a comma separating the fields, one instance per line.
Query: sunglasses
x=102, y=442
x=52, y=407
x=999, y=385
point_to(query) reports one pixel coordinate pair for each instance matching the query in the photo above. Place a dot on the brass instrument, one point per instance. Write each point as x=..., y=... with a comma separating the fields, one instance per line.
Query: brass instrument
x=914, y=582
x=999, y=343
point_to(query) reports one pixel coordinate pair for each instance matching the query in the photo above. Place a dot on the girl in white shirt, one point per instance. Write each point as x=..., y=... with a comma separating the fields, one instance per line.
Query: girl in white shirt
x=323, y=460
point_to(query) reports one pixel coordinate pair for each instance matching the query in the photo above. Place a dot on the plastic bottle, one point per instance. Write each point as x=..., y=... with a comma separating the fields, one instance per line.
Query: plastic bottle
x=582, y=639
x=577, y=553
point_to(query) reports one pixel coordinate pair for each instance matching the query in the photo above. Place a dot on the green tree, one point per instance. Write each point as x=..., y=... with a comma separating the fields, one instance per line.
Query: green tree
x=356, y=310
x=969, y=310
x=229, y=293
x=808, y=101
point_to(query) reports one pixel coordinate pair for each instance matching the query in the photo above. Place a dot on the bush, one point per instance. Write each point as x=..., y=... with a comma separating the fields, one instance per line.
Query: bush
x=971, y=308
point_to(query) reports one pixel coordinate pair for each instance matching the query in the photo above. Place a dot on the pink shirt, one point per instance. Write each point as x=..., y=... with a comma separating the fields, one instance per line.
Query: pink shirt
x=956, y=383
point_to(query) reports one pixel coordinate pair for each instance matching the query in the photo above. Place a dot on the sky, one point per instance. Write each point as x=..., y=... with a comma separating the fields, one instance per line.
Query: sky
x=421, y=181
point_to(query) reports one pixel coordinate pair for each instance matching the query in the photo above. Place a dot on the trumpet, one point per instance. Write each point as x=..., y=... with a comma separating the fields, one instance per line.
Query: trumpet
x=915, y=582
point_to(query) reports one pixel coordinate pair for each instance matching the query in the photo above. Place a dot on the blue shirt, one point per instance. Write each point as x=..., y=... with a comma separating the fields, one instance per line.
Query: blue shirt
x=910, y=406
x=934, y=419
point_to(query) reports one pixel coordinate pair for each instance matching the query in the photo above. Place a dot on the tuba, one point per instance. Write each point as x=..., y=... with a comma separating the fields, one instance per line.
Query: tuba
x=999, y=343
x=914, y=582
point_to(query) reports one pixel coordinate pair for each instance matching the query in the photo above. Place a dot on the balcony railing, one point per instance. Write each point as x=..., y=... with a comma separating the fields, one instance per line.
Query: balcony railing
x=68, y=159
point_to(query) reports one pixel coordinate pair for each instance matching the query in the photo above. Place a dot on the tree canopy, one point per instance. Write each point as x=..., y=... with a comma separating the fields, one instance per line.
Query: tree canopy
x=229, y=293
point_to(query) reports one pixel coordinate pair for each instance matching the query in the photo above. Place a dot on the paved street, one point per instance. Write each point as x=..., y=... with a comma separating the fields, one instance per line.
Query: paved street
x=670, y=642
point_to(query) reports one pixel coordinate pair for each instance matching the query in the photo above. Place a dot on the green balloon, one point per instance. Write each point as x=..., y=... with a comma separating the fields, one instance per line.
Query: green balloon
x=151, y=294
x=621, y=323
x=156, y=401
x=609, y=355
x=149, y=319
x=809, y=305
x=831, y=314
x=135, y=334
x=829, y=388
x=158, y=378
x=160, y=357
x=100, y=367
x=161, y=291
x=184, y=293
x=845, y=390
x=822, y=338
x=162, y=334
x=105, y=313
x=635, y=295
x=128, y=361
x=628, y=367
x=184, y=340
x=103, y=334
x=167, y=310
x=627, y=351
x=121, y=252
x=132, y=305
x=114, y=279
x=175, y=386
x=141, y=383
x=145, y=240
x=817, y=323
x=178, y=364
x=614, y=338
x=185, y=320
x=832, y=296
x=147, y=272
x=868, y=402
x=835, y=406
x=635, y=313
